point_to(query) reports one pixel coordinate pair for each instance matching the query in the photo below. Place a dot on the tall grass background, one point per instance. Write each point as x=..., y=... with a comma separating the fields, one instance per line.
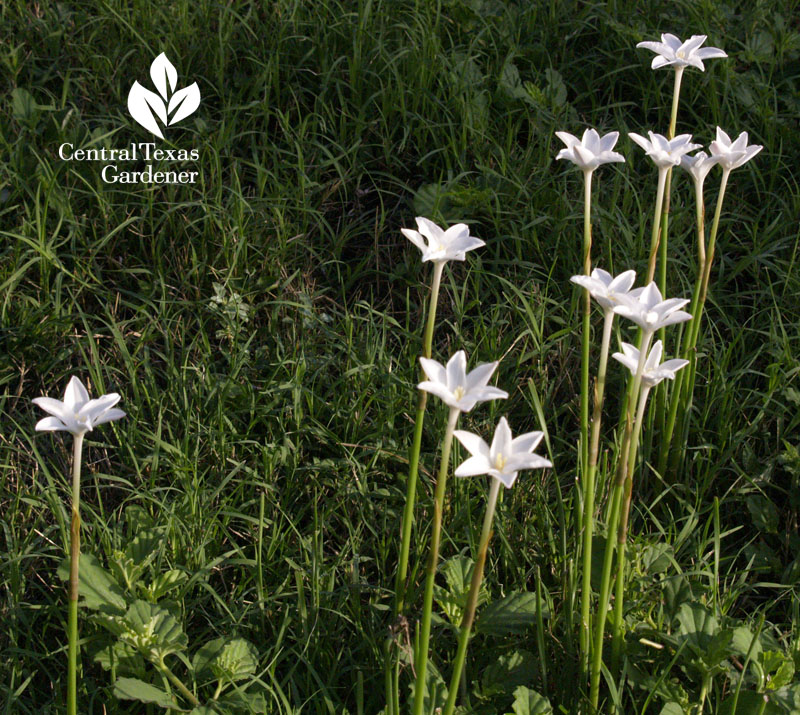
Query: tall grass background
x=263, y=325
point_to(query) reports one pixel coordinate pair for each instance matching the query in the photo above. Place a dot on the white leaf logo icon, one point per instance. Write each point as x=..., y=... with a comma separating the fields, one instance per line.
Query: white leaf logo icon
x=145, y=106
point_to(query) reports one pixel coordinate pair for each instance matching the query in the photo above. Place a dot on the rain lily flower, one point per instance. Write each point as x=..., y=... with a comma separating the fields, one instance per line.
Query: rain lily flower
x=504, y=458
x=646, y=308
x=607, y=290
x=441, y=246
x=698, y=166
x=591, y=150
x=456, y=388
x=77, y=413
x=671, y=51
x=653, y=372
x=665, y=152
x=732, y=155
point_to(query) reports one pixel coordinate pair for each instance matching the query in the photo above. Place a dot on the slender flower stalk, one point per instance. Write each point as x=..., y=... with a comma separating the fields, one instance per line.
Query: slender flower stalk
x=438, y=246
x=413, y=466
x=665, y=153
x=460, y=391
x=421, y=661
x=608, y=292
x=698, y=167
x=76, y=414
x=645, y=307
x=652, y=372
x=615, y=504
x=588, y=153
x=503, y=460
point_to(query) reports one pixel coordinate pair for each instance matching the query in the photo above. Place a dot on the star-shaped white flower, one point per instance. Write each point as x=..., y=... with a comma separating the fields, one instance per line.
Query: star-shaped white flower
x=671, y=51
x=653, y=372
x=645, y=307
x=504, y=458
x=448, y=245
x=591, y=150
x=455, y=387
x=698, y=166
x=77, y=413
x=732, y=155
x=665, y=152
x=607, y=290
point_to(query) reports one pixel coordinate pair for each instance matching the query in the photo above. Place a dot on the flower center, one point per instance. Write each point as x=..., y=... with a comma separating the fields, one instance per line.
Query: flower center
x=680, y=54
x=500, y=462
x=651, y=317
x=81, y=419
x=459, y=392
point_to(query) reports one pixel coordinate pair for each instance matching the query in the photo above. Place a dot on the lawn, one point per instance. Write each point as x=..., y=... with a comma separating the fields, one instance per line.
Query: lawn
x=262, y=320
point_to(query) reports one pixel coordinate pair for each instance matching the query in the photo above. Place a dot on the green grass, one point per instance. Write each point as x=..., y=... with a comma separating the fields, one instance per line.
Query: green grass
x=324, y=128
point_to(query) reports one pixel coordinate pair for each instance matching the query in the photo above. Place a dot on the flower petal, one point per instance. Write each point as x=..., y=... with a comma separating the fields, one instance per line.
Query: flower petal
x=50, y=424
x=473, y=466
x=473, y=443
x=434, y=370
x=48, y=404
x=481, y=375
x=75, y=396
x=109, y=416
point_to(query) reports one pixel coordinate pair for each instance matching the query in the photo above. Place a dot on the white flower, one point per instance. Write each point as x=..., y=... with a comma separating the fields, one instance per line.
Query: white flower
x=665, y=152
x=645, y=307
x=671, y=51
x=732, y=155
x=504, y=458
x=605, y=288
x=699, y=165
x=449, y=245
x=77, y=413
x=455, y=387
x=591, y=150
x=653, y=373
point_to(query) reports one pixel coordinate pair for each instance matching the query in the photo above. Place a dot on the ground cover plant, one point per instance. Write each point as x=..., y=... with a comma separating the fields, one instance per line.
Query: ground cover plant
x=263, y=328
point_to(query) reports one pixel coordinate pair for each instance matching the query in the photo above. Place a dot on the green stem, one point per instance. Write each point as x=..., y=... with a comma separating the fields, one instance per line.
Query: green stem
x=676, y=92
x=438, y=506
x=413, y=467
x=616, y=645
x=74, y=558
x=587, y=306
x=612, y=528
x=663, y=171
x=472, y=599
x=675, y=396
x=178, y=683
x=694, y=329
x=589, y=488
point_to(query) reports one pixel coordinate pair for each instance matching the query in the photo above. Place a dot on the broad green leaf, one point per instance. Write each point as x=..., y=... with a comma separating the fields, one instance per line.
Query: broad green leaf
x=23, y=105
x=741, y=642
x=529, y=702
x=152, y=630
x=513, y=614
x=143, y=547
x=764, y=513
x=134, y=689
x=778, y=667
x=435, y=693
x=748, y=703
x=672, y=709
x=457, y=572
x=207, y=653
x=656, y=558
x=123, y=657
x=237, y=660
x=508, y=672
x=96, y=587
x=204, y=710
x=165, y=583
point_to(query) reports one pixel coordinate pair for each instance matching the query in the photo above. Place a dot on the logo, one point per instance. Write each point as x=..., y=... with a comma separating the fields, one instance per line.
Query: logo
x=171, y=106
x=153, y=111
